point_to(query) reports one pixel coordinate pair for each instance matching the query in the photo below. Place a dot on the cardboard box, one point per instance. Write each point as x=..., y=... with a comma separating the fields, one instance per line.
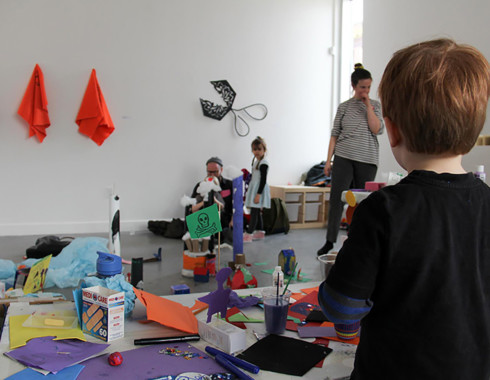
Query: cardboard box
x=103, y=313
x=223, y=335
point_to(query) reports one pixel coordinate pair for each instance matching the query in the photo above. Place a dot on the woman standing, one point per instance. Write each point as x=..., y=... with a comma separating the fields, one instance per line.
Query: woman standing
x=354, y=143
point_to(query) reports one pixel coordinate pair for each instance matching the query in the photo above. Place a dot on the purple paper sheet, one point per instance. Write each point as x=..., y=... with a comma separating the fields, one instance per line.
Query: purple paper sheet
x=236, y=300
x=69, y=373
x=54, y=355
x=316, y=331
x=147, y=363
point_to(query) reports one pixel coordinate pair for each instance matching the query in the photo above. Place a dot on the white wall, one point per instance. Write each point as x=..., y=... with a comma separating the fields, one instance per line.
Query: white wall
x=154, y=60
x=390, y=25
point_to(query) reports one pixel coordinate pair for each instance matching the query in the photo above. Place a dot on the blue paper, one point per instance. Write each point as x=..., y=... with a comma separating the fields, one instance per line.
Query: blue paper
x=69, y=373
x=117, y=283
x=78, y=298
x=7, y=269
x=75, y=261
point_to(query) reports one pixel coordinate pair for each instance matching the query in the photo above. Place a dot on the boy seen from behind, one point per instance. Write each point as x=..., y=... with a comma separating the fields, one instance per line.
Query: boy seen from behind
x=416, y=265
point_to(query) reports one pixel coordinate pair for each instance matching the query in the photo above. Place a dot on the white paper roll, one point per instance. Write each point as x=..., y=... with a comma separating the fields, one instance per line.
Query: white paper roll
x=114, y=234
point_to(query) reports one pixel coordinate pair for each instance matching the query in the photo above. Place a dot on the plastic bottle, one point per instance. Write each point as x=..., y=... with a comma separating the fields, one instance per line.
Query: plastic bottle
x=108, y=265
x=480, y=173
x=278, y=275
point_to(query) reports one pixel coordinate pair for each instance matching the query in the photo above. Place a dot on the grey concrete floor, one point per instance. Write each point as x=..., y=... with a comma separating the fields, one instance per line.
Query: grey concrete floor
x=158, y=277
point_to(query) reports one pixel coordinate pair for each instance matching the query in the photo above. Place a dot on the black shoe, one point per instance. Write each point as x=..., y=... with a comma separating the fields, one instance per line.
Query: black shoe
x=323, y=250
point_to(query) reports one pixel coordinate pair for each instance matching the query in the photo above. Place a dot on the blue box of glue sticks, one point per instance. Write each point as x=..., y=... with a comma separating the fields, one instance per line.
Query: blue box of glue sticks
x=180, y=289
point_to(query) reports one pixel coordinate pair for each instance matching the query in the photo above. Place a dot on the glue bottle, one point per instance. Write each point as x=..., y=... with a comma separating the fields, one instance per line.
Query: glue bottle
x=480, y=173
x=278, y=275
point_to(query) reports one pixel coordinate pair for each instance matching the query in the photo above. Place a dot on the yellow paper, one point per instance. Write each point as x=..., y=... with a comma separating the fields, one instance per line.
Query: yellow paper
x=350, y=198
x=37, y=275
x=19, y=335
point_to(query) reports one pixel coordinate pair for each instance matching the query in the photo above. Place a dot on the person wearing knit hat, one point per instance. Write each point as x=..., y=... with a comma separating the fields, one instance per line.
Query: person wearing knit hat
x=215, y=160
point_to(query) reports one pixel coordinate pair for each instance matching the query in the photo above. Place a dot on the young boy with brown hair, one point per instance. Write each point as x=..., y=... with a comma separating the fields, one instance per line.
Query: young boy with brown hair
x=416, y=264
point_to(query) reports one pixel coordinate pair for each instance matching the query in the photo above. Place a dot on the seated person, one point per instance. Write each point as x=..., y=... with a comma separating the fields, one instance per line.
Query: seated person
x=214, y=168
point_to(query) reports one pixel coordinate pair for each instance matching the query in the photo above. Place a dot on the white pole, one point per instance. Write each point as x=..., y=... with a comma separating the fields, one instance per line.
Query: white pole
x=114, y=226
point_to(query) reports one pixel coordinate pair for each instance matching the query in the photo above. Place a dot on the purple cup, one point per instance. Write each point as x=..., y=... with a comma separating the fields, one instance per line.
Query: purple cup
x=275, y=310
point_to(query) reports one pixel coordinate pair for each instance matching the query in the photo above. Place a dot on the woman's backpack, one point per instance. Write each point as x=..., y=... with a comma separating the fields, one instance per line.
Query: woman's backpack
x=316, y=176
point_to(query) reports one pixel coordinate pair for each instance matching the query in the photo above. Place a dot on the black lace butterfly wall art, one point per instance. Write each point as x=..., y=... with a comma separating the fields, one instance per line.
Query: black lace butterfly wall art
x=219, y=111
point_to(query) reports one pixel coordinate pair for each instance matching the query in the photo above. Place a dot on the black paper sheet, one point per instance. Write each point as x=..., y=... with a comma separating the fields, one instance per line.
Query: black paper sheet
x=285, y=355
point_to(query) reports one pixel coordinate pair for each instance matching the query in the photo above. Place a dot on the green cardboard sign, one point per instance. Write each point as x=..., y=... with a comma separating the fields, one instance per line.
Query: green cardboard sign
x=204, y=222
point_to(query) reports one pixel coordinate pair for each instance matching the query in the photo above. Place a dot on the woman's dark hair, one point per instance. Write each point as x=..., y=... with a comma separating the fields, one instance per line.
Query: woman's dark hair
x=359, y=73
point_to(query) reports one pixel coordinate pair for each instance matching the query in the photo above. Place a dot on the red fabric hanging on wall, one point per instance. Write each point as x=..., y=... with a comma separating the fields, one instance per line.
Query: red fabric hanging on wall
x=34, y=106
x=93, y=118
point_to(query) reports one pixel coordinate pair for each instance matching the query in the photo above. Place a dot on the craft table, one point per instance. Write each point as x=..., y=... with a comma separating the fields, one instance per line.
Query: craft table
x=337, y=365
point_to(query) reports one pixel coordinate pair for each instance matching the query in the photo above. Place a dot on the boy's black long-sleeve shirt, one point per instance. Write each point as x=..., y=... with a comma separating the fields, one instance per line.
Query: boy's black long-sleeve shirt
x=420, y=250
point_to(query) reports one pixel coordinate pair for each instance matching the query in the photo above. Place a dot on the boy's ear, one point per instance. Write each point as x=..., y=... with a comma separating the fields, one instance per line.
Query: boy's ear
x=394, y=134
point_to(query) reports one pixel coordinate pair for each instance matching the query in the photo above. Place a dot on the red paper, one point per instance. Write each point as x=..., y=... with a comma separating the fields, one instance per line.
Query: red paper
x=309, y=290
x=34, y=106
x=93, y=118
x=233, y=311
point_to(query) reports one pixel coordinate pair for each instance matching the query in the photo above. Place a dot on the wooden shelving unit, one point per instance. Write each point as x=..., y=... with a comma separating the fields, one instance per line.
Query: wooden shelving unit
x=301, y=201
x=483, y=140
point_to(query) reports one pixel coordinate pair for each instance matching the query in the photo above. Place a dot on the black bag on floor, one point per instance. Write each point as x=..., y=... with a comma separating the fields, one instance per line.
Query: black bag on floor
x=316, y=176
x=173, y=230
x=158, y=227
x=276, y=218
x=47, y=245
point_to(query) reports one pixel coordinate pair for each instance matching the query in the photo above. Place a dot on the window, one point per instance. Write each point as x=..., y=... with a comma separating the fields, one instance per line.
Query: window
x=352, y=19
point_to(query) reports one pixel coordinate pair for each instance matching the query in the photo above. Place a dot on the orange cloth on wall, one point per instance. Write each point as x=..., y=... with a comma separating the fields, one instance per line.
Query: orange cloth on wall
x=34, y=105
x=93, y=118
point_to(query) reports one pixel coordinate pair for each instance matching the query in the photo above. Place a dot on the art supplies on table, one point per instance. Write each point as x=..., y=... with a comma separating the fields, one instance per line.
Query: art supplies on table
x=168, y=313
x=70, y=373
x=103, y=313
x=54, y=355
x=165, y=340
x=150, y=362
x=276, y=306
x=285, y=355
x=20, y=335
x=239, y=362
x=224, y=335
x=58, y=319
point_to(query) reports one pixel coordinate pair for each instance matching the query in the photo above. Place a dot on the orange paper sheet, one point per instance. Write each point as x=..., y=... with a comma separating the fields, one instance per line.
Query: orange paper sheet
x=198, y=307
x=34, y=106
x=309, y=290
x=93, y=118
x=167, y=313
